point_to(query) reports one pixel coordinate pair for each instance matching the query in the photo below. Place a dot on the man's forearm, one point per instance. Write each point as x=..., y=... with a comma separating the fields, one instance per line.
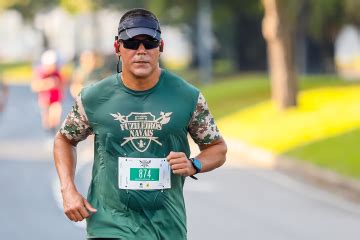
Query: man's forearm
x=65, y=161
x=212, y=156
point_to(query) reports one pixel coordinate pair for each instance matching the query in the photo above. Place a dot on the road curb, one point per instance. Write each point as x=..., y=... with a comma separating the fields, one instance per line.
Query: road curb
x=327, y=179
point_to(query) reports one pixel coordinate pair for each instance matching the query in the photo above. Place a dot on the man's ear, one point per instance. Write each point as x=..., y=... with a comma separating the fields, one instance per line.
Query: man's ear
x=161, y=45
x=116, y=44
x=118, y=48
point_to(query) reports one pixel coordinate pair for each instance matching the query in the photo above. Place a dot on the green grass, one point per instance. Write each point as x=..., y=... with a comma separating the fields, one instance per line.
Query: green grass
x=231, y=94
x=22, y=72
x=340, y=153
x=16, y=73
x=235, y=94
x=10, y=65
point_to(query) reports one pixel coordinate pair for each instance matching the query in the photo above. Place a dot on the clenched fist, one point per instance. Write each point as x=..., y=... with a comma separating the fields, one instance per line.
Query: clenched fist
x=76, y=207
x=180, y=164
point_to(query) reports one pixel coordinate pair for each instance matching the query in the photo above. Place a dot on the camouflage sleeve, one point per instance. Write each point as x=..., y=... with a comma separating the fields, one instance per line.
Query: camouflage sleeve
x=202, y=126
x=76, y=126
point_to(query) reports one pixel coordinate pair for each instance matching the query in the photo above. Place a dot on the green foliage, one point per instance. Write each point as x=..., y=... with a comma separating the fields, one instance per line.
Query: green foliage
x=339, y=153
x=245, y=7
x=4, y=4
x=291, y=10
x=174, y=11
x=28, y=8
x=323, y=14
x=157, y=6
x=224, y=12
x=327, y=16
x=351, y=11
x=78, y=6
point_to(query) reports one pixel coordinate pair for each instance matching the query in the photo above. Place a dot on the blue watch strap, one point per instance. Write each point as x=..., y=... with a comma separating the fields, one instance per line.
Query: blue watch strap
x=196, y=168
x=197, y=164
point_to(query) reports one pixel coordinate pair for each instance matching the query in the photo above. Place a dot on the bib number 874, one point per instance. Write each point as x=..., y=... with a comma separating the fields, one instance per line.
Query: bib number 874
x=144, y=174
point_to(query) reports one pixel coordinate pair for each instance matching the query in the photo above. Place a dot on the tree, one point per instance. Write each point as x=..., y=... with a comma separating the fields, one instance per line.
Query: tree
x=278, y=26
x=7, y=4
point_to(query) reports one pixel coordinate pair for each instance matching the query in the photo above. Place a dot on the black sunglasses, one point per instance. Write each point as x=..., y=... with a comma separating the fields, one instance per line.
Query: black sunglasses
x=134, y=44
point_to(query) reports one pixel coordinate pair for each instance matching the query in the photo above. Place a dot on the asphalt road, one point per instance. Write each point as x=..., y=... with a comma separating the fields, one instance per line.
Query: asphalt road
x=237, y=201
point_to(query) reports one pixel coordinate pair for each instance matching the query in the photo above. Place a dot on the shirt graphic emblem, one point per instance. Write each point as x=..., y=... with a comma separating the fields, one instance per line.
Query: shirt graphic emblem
x=141, y=127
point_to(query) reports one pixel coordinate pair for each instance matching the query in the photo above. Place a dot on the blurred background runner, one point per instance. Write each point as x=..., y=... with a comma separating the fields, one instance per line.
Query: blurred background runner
x=89, y=70
x=48, y=84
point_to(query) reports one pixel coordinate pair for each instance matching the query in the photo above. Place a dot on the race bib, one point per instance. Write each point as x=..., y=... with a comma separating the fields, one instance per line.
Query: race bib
x=144, y=173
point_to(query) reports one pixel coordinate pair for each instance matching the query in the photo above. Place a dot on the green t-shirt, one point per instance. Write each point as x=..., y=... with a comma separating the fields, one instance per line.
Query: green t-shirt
x=138, y=124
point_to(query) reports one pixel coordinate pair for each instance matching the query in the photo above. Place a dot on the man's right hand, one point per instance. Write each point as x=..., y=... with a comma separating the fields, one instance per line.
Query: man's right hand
x=76, y=207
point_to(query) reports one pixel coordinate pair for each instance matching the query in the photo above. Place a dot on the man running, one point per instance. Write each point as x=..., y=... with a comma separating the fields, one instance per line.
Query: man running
x=140, y=119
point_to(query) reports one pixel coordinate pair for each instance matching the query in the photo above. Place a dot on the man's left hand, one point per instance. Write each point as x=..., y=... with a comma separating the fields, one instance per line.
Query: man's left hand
x=180, y=164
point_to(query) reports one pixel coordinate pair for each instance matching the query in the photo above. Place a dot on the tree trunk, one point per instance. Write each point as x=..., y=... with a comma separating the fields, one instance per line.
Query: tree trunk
x=277, y=30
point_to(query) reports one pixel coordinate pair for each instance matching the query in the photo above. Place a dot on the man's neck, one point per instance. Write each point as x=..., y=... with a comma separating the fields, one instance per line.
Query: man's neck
x=138, y=83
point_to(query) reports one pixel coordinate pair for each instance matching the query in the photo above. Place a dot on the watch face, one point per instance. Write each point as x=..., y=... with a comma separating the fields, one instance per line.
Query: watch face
x=197, y=164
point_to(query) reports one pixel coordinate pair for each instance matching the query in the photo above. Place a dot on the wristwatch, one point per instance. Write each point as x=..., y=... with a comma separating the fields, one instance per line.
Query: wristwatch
x=197, y=165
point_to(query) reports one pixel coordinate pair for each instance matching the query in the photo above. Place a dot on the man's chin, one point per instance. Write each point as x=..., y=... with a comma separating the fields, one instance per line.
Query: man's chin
x=142, y=73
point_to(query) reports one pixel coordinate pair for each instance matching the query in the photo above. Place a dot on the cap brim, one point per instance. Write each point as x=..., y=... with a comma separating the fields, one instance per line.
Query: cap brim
x=132, y=32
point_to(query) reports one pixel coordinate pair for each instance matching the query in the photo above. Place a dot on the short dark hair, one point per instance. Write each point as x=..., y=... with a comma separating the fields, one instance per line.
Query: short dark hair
x=138, y=12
